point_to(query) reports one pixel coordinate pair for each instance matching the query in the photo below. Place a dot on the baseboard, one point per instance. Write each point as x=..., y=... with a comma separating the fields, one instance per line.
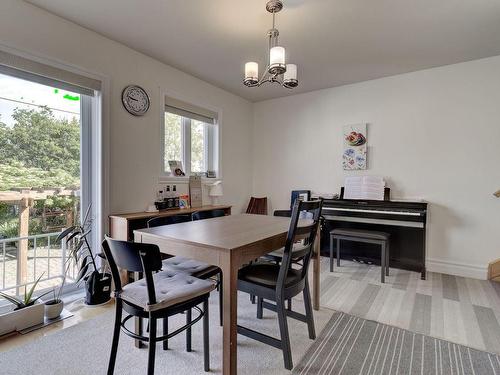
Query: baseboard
x=458, y=269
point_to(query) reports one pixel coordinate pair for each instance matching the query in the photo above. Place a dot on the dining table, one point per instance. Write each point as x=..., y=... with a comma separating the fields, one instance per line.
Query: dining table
x=228, y=242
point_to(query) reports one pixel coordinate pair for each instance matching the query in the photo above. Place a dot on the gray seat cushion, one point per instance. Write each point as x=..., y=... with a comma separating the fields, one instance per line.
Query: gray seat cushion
x=185, y=265
x=266, y=274
x=371, y=234
x=171, y=288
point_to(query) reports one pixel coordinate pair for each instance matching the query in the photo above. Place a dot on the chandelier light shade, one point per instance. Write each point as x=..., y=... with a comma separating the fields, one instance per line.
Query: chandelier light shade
x=290, y=77
x=277, y=60
x=252, y=72
x=277, y=70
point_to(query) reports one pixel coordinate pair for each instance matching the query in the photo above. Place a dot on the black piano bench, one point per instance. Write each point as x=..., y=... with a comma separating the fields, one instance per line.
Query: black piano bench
x=367, y=236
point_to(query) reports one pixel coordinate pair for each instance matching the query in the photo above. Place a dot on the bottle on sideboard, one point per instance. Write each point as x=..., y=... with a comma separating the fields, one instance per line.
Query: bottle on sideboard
x=169, y=199
x=175, y=195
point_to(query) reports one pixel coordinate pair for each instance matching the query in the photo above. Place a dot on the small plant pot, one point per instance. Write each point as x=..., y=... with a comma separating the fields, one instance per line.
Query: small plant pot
x=53, y=309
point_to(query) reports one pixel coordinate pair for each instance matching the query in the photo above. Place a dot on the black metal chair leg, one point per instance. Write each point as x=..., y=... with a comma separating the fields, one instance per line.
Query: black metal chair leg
x=260, y=308
x=285, y=338
x=309, y=311
x=206, y=352
x=165, y=332
x=152, y=346
x=252, y=299
x=188, y=331
x=221, y=300
x=289, y=301
x=116, y=336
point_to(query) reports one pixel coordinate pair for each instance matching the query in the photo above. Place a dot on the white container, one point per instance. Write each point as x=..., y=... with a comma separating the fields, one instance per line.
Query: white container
x=17, y=320
x=53, y=311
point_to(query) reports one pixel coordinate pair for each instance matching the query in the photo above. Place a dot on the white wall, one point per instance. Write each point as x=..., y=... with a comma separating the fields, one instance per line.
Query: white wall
x=433, y=134
x=134, y=142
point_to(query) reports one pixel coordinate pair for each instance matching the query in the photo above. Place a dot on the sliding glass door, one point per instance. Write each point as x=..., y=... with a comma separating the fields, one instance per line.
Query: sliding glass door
x=45, y=176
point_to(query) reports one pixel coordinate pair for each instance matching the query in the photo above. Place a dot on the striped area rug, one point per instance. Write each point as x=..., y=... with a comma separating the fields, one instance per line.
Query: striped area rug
x=349, y=345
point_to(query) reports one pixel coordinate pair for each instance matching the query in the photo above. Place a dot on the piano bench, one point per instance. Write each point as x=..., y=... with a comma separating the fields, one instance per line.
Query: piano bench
x=367, y=236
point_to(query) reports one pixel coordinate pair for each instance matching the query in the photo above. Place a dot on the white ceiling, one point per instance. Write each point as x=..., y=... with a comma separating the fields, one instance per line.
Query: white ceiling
x=333, y=42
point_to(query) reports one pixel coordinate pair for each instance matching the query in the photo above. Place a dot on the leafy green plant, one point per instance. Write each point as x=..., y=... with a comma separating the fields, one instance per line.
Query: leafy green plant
x=27, y=299
x=76, y=238
x=57, y=291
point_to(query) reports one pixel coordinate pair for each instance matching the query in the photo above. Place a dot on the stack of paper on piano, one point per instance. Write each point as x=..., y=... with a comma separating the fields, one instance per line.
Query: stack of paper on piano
x=364, y=188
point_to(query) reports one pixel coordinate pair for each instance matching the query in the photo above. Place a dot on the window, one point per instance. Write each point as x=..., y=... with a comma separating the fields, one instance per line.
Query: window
x=190, y=136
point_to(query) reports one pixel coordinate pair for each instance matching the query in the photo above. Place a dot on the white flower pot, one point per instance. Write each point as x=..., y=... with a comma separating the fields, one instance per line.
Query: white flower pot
x=17, y=320
x=53, y=310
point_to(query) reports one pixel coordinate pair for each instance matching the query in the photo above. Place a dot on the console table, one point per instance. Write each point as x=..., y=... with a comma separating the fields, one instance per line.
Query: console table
x=122, y=226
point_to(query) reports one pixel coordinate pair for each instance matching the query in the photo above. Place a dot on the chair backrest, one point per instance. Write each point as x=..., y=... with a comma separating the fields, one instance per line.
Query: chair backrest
x=257, y=206
x=304, y=195
x=167, y=220
x=283, y=213
x=201, y=215
x=133, y=257
x=295, y=232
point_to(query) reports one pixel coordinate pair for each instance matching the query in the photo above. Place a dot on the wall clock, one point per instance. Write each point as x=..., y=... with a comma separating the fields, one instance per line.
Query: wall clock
x=135, y=100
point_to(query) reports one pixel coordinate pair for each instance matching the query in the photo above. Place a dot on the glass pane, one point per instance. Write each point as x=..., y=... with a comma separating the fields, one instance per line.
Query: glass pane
x=173, y=138
x=39, y=162
x=198, y=146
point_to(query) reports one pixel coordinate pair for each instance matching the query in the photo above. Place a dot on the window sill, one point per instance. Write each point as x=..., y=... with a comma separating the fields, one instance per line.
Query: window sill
x=185, y=179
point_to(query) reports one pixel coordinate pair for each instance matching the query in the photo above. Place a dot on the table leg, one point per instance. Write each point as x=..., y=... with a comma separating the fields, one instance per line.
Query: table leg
x=316, y=270
x=230, y=301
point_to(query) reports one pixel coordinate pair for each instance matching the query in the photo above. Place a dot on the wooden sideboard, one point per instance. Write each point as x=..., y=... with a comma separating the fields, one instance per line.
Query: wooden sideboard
x=122, y=226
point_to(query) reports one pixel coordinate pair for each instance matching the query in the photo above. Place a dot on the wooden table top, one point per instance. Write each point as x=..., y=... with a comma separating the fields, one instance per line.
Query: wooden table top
x=227, y=232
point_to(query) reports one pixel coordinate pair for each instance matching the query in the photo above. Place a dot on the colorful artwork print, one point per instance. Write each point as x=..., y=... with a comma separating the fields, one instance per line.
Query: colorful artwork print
x=355, y=146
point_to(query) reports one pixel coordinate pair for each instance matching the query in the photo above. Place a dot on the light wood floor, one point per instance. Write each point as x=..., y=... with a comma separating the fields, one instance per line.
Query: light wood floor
x=462, y=310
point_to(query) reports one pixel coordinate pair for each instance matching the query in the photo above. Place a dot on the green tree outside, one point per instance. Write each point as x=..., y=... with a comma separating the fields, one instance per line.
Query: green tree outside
x=39, y=151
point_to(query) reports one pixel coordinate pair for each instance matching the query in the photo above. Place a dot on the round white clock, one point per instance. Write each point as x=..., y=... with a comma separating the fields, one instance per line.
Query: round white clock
x=135, y=100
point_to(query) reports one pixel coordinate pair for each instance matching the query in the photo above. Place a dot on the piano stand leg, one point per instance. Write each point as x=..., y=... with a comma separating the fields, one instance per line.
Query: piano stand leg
x=331, y=253
x=382, y=262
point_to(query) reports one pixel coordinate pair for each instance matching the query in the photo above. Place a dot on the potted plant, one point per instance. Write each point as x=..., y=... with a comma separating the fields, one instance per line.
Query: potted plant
x=54, y=307
x=27, y=311
x=97, y=284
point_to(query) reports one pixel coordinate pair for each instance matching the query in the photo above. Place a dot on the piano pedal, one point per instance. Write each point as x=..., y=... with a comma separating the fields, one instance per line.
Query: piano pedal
x=361, y=261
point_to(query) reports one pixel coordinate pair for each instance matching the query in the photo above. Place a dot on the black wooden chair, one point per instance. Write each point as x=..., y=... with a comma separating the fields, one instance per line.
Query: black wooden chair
x=202, y=215
x=157, y=296
x=192, y=267
x=281, y=282
x=167, y=220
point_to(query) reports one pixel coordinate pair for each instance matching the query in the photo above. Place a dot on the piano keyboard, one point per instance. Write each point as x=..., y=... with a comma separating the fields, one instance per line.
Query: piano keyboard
x=388, y=212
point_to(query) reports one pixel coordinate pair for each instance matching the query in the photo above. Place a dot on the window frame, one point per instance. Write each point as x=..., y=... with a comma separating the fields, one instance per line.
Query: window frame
x=212, y=135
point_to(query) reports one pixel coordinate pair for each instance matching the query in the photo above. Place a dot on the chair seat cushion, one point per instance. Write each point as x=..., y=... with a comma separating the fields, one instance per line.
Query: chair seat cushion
x=361, y=233
x=266, y=274
x=171, y=288
x=185, y=265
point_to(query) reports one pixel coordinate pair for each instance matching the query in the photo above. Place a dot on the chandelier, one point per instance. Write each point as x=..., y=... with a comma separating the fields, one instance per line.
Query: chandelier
x=276, y=71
